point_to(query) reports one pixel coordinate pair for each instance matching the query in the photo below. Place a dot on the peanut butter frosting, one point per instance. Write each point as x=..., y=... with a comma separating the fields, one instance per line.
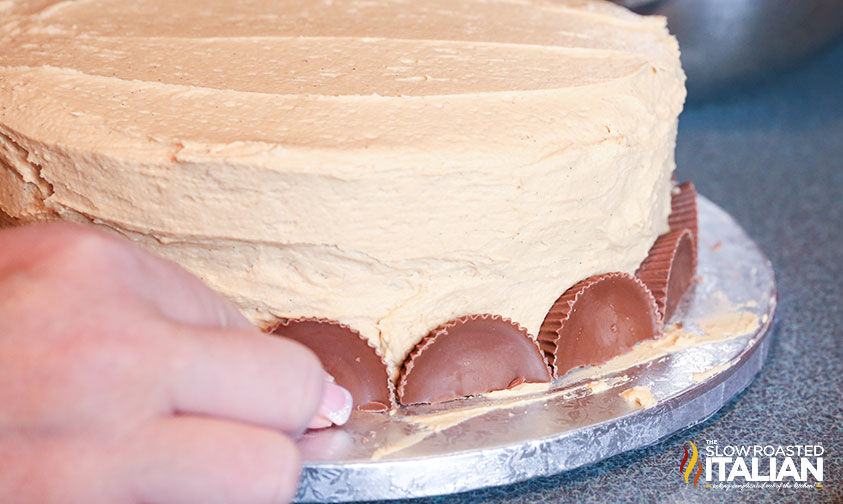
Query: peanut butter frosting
x=387, y=164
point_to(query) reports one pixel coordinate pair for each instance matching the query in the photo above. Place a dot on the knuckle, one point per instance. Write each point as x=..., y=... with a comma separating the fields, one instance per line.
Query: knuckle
x=92, y=245
x=86, y=247
x=94, y=361
x=99, y=356
x=77, y=381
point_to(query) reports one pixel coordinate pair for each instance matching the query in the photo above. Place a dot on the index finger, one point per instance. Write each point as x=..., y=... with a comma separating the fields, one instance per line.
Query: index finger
x=243, y=376
x=181, y=296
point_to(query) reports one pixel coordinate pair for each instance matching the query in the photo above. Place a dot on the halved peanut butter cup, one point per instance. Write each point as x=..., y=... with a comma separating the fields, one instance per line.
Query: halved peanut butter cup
x=597, y=319
x=346, y=356
x=470, y=356
x=683, y=209
x=668, y=270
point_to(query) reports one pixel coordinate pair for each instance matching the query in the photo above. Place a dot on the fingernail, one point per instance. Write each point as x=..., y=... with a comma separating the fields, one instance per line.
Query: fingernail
x=336, y=404
x=319, y=422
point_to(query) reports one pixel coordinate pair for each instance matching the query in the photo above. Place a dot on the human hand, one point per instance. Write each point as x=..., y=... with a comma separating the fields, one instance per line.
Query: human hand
x=125, y=379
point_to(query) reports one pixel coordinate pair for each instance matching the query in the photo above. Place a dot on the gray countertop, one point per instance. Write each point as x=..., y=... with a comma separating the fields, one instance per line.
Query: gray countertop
x=772, y=156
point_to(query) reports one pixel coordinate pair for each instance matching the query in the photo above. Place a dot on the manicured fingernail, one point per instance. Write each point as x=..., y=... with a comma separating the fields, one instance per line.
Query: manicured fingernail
x=319, y=422
x=336, y=404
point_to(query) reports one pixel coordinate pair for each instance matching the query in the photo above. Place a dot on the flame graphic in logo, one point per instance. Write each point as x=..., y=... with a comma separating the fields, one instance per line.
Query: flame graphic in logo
x=686, y=471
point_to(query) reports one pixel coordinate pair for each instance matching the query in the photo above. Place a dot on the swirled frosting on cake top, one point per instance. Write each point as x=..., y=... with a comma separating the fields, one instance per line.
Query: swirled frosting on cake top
x=390, y=165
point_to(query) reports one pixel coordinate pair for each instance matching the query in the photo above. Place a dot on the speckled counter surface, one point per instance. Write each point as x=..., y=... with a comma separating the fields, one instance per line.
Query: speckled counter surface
x=772, y=157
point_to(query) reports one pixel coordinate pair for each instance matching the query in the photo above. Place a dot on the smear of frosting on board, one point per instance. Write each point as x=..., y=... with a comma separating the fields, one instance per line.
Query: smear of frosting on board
x=639, y=397
x=729, y=321
x=704, y=375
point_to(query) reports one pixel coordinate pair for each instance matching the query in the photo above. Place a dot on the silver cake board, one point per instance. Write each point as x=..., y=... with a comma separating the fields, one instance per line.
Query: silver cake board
x=378, y=456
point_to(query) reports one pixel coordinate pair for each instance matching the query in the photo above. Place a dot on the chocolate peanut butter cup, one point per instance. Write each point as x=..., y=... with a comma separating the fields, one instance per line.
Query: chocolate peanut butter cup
x=597, y=319
x=668, y=270
x=469, y=356
x=683, y=209
x=346, y=356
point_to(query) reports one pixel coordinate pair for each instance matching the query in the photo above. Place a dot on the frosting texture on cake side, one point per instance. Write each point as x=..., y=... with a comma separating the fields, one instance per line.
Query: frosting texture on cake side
x=389, y=165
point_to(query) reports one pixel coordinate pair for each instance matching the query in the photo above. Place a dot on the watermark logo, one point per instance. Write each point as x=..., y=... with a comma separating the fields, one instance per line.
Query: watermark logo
x=694, y=462
x=730, y=466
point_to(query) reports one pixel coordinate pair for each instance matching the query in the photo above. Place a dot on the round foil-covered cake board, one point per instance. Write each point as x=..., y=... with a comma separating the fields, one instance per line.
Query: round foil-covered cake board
x=715, y=344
